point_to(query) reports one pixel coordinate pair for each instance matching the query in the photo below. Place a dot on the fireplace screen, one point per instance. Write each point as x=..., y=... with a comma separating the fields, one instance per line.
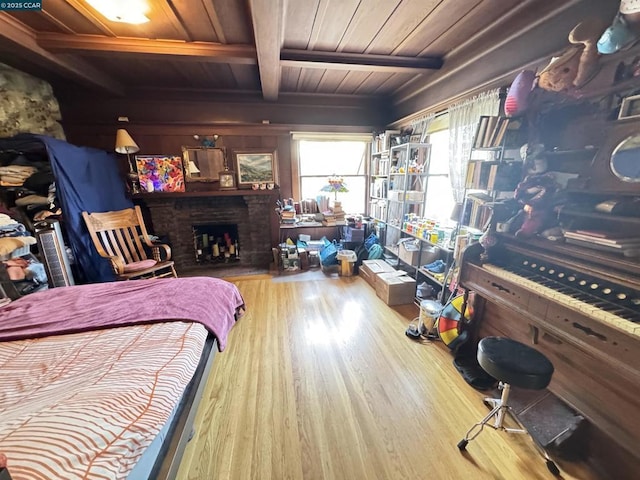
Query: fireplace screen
x=216, y=243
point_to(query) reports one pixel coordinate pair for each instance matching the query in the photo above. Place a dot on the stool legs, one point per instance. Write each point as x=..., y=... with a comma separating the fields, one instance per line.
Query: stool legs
x=500, y=408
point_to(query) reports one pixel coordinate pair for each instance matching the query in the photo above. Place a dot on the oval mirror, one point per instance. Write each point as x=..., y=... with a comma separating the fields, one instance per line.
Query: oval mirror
x=625, y=159
x=203, y=164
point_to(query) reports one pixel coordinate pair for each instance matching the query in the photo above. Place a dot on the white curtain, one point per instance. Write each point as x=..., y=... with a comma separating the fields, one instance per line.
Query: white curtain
x=421, y=124
x=463, y=120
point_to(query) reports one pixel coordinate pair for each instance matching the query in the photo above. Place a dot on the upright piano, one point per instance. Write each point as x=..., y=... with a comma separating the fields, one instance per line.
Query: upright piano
x=582, y=310
x=578, y=305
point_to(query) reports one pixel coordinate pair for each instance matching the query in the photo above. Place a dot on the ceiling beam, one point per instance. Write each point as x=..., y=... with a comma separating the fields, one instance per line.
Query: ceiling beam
x=200, y=51
x=358, y=62
x=24, y=41
x=267, y=21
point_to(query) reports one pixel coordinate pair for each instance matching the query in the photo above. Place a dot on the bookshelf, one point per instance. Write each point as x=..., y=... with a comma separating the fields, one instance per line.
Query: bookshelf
x=493, y=171
x=491, y=131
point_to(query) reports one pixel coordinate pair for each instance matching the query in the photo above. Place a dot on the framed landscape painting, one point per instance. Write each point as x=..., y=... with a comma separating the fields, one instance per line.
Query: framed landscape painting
x=255, y=166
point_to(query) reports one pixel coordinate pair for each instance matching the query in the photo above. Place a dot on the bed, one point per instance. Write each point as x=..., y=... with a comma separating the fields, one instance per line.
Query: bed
x=103, y=380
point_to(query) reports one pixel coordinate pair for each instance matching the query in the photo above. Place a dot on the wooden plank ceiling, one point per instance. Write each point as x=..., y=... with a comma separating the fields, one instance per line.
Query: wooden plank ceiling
x=356, y=47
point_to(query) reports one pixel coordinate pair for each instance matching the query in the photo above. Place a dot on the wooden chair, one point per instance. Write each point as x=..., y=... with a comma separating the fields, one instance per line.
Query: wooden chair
x=121, y=237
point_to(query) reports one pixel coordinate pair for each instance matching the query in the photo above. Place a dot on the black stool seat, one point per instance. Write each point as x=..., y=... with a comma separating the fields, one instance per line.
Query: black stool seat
x=514, y=363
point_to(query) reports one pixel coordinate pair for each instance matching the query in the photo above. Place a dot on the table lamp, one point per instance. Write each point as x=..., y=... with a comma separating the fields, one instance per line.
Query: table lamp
x=126, y=146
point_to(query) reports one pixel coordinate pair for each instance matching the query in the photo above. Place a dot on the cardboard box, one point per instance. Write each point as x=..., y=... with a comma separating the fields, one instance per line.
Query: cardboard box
x=370, y=269
x=396, y=288
x=396, y=195
x=413, y=196
x=409, y=252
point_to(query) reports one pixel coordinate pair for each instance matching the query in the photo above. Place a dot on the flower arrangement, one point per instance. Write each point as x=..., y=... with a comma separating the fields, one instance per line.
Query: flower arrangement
x=336, y=184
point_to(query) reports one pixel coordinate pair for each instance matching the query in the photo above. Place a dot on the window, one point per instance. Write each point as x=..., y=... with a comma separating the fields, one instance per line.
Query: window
x=321, y=159
x=439, y=201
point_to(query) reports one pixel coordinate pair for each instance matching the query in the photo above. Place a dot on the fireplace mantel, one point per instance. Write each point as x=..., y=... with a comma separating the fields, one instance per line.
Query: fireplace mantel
x=204, y=193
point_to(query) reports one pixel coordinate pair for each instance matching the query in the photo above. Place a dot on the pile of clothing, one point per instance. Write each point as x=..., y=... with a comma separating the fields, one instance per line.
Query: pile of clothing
x=23, y=269
x=27, y=174
x=13, y=236
x=15, y=175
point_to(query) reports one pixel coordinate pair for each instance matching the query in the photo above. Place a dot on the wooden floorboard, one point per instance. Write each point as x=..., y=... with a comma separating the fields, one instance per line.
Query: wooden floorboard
x=318, y=381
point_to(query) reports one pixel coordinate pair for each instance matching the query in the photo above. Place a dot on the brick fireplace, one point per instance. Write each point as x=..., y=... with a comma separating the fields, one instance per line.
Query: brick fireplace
x=174, y=215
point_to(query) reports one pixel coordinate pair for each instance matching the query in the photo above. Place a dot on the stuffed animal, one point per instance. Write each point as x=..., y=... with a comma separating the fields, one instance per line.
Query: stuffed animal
x=577, y=65
x=559, y=74
x=517, y=99
x=537, y=195
x=586, y=33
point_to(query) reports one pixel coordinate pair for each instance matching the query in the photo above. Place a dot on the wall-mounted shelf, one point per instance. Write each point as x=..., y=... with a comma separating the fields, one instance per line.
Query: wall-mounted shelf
x=206, y=193
x=430, y=276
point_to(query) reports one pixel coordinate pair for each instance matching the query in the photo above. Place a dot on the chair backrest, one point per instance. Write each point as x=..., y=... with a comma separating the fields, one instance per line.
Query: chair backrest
x=117, y=234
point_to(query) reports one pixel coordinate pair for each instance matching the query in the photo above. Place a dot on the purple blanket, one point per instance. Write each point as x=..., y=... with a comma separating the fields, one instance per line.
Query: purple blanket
x=209, y=301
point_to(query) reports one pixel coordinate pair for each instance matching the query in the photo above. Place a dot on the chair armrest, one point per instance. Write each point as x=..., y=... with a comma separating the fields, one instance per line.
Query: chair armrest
x=157, y=256
x=116, y=263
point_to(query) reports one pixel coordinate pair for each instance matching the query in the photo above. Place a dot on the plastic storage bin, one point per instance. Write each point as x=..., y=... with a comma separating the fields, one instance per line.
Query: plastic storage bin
x=347, y=259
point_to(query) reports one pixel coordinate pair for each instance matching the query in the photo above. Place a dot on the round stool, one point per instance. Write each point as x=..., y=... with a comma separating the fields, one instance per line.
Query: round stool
x=512, y=364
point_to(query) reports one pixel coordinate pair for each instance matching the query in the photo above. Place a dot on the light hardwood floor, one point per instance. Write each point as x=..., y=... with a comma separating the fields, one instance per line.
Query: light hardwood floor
x=319, y=382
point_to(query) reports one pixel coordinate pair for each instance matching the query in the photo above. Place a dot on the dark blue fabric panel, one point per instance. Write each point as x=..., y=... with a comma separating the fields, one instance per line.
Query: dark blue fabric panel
x=87, y=179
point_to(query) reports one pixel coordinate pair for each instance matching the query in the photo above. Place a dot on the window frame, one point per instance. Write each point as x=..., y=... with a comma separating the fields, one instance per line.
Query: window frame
x=296, y=186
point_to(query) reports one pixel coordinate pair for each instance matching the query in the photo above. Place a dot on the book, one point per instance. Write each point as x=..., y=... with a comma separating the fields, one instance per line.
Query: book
x=627, y=251
x=470, y=172
x=621, y=242
x=603, y=235
x=493, y=170
x=501, y=129
x=480, y=197
x=491, y=125
x=481, y=132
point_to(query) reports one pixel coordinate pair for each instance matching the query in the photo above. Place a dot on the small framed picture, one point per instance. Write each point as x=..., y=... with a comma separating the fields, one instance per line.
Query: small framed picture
x=630, y=107
x=255, y=167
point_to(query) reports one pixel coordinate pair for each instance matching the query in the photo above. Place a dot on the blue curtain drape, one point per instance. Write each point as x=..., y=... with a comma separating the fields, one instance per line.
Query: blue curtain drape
x=87, y=179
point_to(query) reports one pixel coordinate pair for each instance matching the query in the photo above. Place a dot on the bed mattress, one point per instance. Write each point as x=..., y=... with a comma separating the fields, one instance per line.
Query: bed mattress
x=87, y=405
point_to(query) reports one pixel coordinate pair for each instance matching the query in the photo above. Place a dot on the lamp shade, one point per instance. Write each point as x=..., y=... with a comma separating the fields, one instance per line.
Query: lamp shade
x=124, y=142
x=193, y=168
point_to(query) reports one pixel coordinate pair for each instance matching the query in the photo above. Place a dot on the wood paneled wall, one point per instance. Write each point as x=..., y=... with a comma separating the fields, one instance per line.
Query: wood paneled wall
x=163, y=124
x=169, y=139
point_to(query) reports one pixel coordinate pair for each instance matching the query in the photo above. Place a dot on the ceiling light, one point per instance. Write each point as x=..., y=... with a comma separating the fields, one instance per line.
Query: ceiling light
x=125, y=11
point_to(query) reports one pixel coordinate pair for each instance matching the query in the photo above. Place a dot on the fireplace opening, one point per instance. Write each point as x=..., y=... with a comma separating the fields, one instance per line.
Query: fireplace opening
x=216, y=244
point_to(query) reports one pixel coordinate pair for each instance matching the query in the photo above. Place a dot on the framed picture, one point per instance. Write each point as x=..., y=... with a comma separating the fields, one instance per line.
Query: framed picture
x=160, y=173
x=255, y=167
x=630, y=107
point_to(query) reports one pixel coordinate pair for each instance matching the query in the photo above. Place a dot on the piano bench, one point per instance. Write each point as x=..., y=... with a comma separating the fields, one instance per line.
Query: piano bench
x=513, y=364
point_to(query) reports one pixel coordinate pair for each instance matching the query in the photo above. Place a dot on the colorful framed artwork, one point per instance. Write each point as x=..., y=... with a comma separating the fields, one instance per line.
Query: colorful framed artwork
x=255, y=167
x=160, y=173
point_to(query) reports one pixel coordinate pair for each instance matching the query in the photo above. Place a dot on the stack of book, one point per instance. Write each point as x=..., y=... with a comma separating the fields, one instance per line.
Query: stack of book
x=329, y=219
x=338, y=212
x=288, y=216
x=627, y=244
